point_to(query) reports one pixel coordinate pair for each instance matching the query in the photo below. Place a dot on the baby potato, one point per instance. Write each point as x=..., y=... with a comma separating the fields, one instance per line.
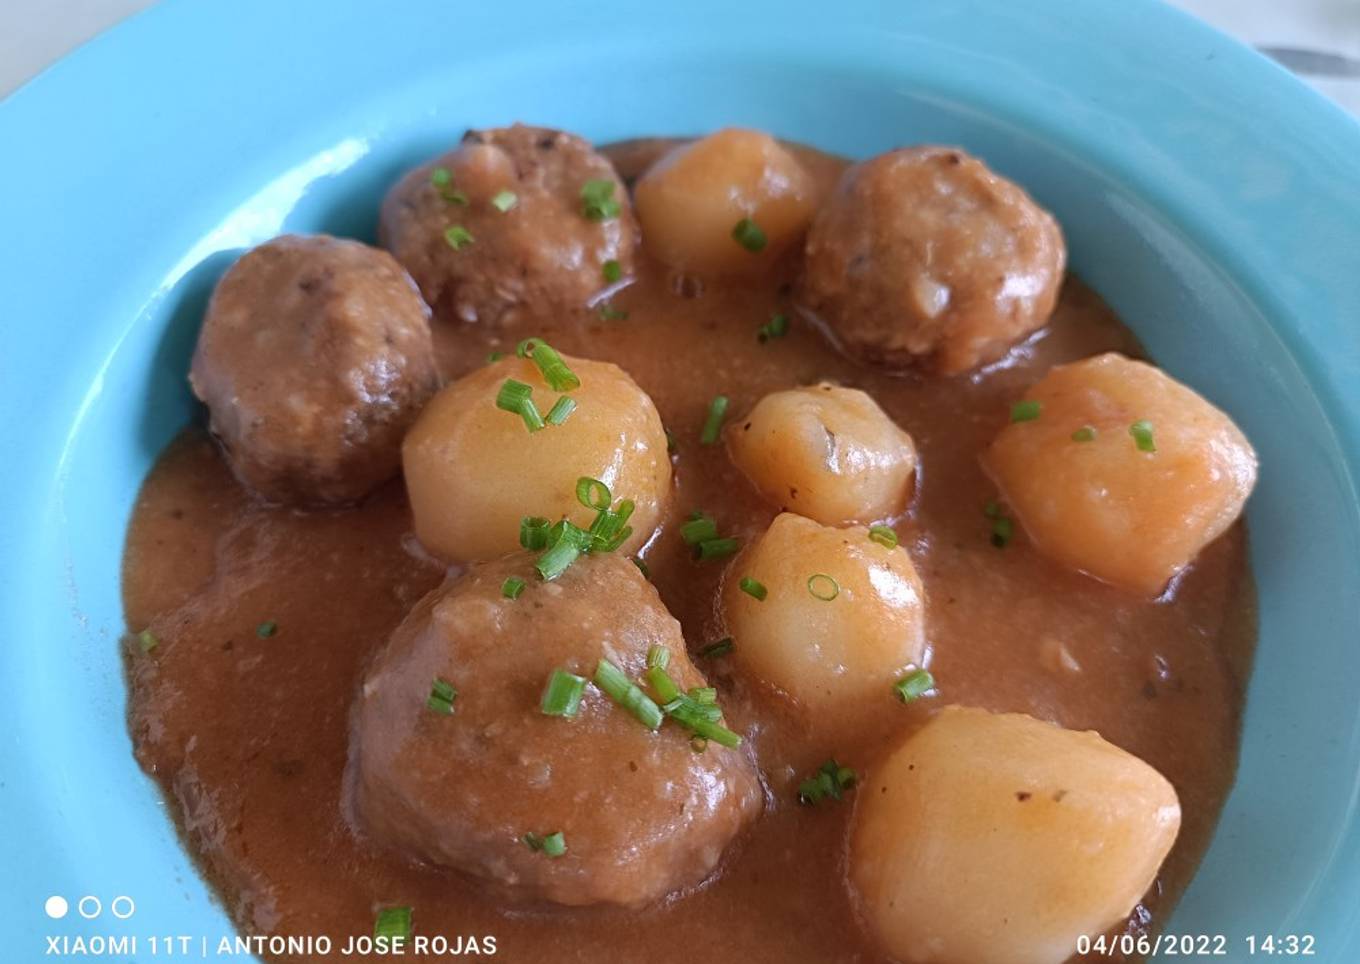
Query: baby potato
x=1125, y=473
x=825, y=452
x=998, y=838
x=841, y=618
x=473, y=470
x=691, y=201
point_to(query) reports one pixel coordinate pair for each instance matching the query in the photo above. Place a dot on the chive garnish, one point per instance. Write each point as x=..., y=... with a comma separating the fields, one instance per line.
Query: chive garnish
x=753, y=588
x=829, y=783
x=593, y=494
x=662, y=685
x=442, y=181
x=562, y=695
x=515, y=396
x=717, y=410
x=721, y=648
x=504, y=201
x=1087, y=433
x=627, y=694
x=565, y=543
x=914, y=685
x=718, y=548
x=611, y=270
x=458, y=237
x=1002, y=531
x=555, y=372
x=512, y=587
x=658, y=657
x=1141, y=431
x=885, y=536
x=550, y=845
x=776, y=327
x=442, y=695
x=1026, y=411
x=561, y=410
x=698, y=530
x=597, y=200
x=609, y=313
x=749, y=235
x=703, y=694
x=147, y=640
x=823, y=587
x=533, y=532
x=266, y=629
x=494, y=357
x=393, y=924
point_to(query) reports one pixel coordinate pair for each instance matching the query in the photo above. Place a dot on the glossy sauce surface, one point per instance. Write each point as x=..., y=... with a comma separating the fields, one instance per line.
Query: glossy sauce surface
x=248, y=734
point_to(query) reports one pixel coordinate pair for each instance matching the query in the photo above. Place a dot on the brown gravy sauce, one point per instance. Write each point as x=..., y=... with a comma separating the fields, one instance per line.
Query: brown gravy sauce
x=247, y=736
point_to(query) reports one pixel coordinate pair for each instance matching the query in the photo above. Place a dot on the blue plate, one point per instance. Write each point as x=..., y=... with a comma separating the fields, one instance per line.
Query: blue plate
x=1212, y=199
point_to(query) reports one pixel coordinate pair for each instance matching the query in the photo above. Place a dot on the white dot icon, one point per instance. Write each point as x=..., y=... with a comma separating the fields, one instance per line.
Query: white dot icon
x=122, y=907
x=56, y=907
x=90, y=907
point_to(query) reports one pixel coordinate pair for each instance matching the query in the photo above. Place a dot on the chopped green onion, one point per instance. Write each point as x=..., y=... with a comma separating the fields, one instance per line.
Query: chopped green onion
x=753, y=588
x=721, y=648
x=504, y=201
x=560, y=411
x=555, y=372
x=749, y=235
x=612, y=271
x=662, y=685
x=717, y=410
x=703, y=694
x=609, y=313
x=597, y=200
x=658, y=657
x=494, y=357
x=718, y=548
x=550, y=845
x=562, y=695
x=1002, y=531
x=1087, y=433
x=533, y=532
x=992, y=509
x=565, y=543
x=829, y=783
x=442, y=695
x=442, y=181
x=885, y=536
x=458, y=237
x=1026, y=411
x=823, y=587
x=627, y=694
x=776, y=327
x=1141, y=431
x=696, y=717
x=609, y=531
x=512, y=587
x=394, y=925
x=147, y=640
x=592, y=493
x=914, y=685
x=266, y=629
x=698, y=530
x=514, y=396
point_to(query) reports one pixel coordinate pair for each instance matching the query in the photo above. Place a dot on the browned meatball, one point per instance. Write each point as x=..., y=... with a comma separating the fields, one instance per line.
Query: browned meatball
x=924, y=257
x=546, y=249
x=314, y=358
x=642, y=814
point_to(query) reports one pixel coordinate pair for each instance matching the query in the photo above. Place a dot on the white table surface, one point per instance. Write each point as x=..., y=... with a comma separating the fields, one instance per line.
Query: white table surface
x=34, y=33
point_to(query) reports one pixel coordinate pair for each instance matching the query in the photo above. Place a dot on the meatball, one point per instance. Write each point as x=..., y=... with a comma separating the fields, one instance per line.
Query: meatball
x=691, y=202
x=514, y=220
x=474, y=470
x=314, y=358
x=826, y=452
x=827, y=617
x=998, y=839
x=924, y=257
x=455, y=763
x=1120, y=471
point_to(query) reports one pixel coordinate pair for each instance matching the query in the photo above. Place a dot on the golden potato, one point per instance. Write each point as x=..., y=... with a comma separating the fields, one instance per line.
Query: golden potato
x=998, y=838
x=473, y=470
x=825, y=452
x=1124, y=473
x=691, y=201
x=841, y=619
